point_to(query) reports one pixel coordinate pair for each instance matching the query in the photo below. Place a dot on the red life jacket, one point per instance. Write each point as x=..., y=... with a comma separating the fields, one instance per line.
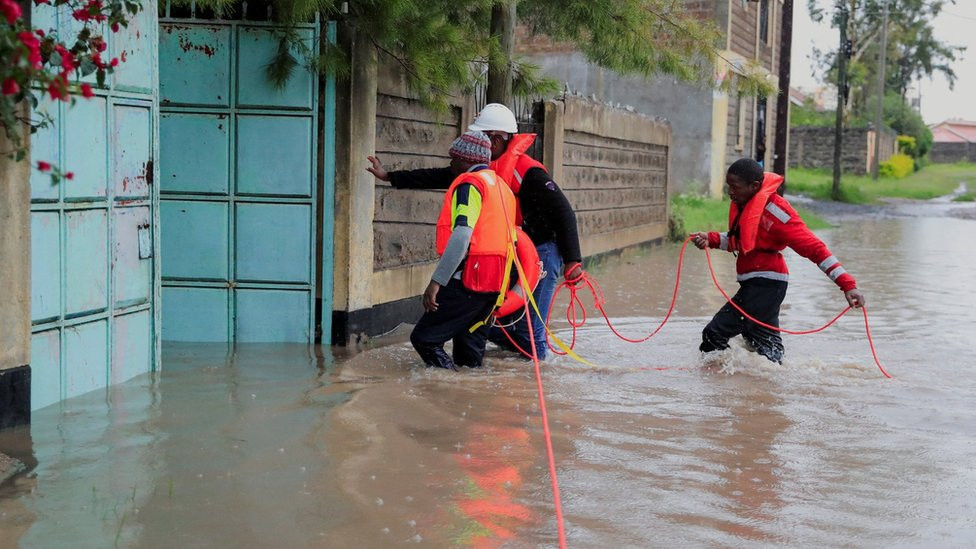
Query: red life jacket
x=513, y=164
x=748, y=220
x=491, y=251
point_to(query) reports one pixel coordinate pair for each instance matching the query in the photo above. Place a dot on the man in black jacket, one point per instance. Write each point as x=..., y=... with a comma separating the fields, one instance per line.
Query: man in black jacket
x=547, y=216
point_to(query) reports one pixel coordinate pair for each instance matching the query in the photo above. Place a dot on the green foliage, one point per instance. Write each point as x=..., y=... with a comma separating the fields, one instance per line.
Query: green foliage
x=913, y=49
x=965, y=197
x=907, y=121
x=907, y=145
x=935, y=180
x=808, y=115
x=898, y=166
x=442, y=45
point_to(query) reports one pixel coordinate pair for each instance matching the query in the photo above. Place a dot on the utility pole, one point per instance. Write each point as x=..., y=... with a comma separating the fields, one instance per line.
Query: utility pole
x=878, y=123
x=780, y=147
x=500, y=77
x=842, y=53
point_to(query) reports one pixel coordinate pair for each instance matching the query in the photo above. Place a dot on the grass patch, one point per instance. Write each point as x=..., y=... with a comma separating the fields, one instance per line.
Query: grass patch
x=930, y=182
x=692, y=213
x=966, y=197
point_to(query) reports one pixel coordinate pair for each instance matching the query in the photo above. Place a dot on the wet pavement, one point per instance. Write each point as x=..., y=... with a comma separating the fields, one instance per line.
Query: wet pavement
x=291, y=446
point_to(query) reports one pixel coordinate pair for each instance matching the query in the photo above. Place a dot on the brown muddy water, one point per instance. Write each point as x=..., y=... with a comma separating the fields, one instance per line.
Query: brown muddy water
x=286, y=446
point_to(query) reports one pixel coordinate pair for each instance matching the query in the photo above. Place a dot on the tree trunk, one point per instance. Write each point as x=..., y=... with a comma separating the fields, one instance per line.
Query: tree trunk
x=841, y=89
x=500, y=71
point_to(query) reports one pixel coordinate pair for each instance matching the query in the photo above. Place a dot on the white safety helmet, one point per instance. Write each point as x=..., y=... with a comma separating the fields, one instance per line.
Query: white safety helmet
x=495, y=117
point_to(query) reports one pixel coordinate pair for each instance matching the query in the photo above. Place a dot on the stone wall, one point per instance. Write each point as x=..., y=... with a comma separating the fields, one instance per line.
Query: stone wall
x=613, y=166
x=408, y=136
x=948, y=153
x=813, y=147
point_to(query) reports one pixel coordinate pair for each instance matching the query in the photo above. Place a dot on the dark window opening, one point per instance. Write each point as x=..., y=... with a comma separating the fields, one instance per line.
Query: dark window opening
x=764, y=21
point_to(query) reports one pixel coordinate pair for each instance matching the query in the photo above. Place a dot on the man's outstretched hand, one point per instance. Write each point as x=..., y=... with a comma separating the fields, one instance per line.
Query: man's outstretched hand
x=376, y=168
x=855, y=298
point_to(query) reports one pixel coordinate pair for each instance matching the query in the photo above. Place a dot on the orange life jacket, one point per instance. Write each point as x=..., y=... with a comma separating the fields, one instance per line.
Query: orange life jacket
x=748, y=221
x=490, y=254
x=513, y=164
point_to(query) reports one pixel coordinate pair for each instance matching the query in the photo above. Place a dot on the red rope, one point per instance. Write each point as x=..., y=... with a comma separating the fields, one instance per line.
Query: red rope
x=599, y=300
x=554, y=480
x=557, y=500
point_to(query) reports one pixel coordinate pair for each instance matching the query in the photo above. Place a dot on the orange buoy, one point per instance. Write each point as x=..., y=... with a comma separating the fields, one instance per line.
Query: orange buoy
x=528, y=258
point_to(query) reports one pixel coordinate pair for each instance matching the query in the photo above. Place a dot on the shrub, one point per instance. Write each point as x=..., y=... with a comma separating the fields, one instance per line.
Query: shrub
x=907, y=145
x=898, y=166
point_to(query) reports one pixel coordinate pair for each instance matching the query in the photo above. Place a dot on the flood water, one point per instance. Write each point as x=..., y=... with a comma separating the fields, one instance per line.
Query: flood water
x=293, y=447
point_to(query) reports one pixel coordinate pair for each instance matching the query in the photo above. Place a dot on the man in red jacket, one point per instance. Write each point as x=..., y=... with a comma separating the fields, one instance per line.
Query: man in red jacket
x=761, y=225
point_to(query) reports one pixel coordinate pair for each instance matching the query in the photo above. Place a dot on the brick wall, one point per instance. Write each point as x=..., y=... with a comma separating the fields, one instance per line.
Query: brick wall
x=742, y=31
x=408, y=136
x=813, y=147
x=613, y=166
x=947, y=153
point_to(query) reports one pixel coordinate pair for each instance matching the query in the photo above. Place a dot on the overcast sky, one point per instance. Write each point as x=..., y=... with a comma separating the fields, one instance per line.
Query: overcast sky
x=956, y=25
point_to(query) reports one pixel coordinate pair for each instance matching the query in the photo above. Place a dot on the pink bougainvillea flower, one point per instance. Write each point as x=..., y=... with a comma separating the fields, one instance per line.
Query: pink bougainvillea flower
x=69, y=176
x=115, y=62
x=67, y=59
x=43, y=166
x=58, y=88
x=11, y=10
x=33, y=45
x=115, y=27
x=86, y=91
x=10, y=87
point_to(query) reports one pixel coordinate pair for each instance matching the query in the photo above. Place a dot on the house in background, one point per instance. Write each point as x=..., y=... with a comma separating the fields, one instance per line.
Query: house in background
x=953, y=141
x=710, y=128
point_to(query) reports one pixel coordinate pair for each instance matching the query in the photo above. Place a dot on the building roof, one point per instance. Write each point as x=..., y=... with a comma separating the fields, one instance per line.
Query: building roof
x=797, y=97
x=954, y=131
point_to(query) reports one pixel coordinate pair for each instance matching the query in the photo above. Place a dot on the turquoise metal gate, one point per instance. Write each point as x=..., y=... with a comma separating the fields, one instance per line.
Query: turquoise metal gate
x=237, y=184
x=93, y=267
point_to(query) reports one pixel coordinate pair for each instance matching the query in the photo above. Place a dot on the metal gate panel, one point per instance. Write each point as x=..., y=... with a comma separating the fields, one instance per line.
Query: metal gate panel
x=203, y=314
x=85, y=262
x=94, y=272
x=237, y=169
x=206, y=48
x=203, y=168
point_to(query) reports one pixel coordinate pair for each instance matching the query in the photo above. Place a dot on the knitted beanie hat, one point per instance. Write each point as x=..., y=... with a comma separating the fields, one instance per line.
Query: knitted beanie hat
x=473, y=146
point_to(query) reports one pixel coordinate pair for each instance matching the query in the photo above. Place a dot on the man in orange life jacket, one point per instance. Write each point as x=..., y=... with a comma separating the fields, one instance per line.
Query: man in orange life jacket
x=545, y=213
x=761, y=224
x=474, y=232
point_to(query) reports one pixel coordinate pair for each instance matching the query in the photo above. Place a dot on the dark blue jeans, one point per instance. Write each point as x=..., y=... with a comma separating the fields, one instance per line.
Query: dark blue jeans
x=552, y=264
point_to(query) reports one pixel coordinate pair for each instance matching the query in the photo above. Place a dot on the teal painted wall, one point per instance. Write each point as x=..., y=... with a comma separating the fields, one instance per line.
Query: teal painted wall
x=94, y=266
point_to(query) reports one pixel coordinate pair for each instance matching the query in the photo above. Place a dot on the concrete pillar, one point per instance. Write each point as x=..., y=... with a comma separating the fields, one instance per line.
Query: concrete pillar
x=15, y=260
x=552, y=133
x=354, y=186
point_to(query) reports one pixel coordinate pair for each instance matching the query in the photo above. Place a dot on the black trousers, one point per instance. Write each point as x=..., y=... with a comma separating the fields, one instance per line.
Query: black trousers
x=457, y=310
x=761, y=298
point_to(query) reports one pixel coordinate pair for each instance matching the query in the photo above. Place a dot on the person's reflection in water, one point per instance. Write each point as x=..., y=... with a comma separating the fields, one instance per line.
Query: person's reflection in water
x=749, y=465
x=494, y=458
